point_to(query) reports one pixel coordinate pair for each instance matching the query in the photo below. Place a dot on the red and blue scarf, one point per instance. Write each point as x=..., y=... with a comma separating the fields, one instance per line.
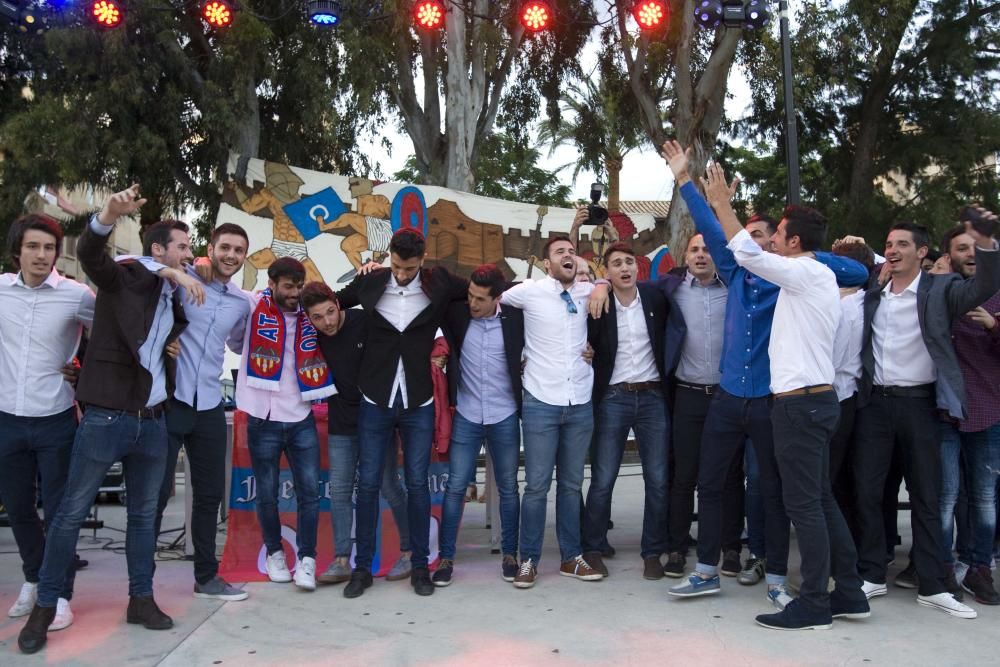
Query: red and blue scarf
x=267, y=352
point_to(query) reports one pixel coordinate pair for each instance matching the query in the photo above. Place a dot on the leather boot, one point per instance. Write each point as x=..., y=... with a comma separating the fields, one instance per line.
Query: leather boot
x=143, y=611
x=34, y=634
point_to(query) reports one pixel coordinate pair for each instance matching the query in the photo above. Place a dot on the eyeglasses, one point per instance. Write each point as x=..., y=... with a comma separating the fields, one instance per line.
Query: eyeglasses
x=570, y=306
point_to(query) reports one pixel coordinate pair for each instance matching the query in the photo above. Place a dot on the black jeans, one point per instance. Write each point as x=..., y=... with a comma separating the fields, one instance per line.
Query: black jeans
x=690, y=411
x=841, y=453
x=731, y=420
x=202, y=433
x=803, y=426
x=913, y=424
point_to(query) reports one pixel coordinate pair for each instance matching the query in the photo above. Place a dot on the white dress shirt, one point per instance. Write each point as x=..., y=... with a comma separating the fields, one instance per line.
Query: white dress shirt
x=554, y=339
x=847, y=345
x=40, y=331
x=901, y=357
x=634, y=359
x=400, y=305
x=806, y=314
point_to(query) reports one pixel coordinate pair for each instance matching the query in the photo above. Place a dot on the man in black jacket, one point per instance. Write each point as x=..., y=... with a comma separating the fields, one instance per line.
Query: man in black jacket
x=126, y=380
x=405, y=305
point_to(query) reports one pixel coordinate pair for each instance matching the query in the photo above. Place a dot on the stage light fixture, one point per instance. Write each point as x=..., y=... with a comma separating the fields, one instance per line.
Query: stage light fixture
x=733, y=13
x=324, y=12
x=536, y=15
x=756, y=15
x=106, y=13
x=217, y=13
x=651, y=14
x=708, y=13
x=429, y=14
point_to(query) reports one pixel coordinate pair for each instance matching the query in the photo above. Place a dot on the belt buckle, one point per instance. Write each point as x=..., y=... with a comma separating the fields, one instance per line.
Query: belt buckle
x=708, y=390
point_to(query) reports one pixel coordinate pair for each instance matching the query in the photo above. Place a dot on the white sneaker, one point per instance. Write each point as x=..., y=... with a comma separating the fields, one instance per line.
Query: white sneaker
x=305, y=574
x=960, y=570
x=277, y=568
x=873, y=590
x=778, y=596
x=947, y=603
x=64, y=616
x=25, y=601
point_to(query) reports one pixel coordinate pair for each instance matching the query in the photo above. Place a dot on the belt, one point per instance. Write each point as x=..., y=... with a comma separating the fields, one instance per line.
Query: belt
x=635, y=387
x=806, y=391
x=707, y=389
x=919, y=391
x=154, y=412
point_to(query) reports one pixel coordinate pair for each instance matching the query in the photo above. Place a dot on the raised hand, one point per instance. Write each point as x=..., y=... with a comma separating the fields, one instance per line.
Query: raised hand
x=677, y=158
x=717, y=191
x=120, y=204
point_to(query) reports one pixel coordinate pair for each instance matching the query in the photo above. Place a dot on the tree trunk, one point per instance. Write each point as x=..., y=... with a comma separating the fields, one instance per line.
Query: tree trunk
x=614, y=169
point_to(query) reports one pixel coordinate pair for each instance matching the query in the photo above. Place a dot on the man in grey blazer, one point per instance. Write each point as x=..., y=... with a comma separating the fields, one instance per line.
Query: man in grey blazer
x=910, y=372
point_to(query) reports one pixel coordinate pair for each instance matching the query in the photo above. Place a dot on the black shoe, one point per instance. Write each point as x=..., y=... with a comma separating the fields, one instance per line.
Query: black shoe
x=731, y=565
x=953, y=587
x=420, y=579
x=360, y=580
x=674, y=567
x=596, y=562
x=442, y=576
x=509, y=567
x=34, y=634
x=979, y=581
x=651, y=568
x=908, y=577
x=795, y=616
x=143, y=611
x=841, y=608
x=80, y=563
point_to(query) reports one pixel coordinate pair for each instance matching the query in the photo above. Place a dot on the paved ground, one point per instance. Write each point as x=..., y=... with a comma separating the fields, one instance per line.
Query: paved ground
x=480, y=619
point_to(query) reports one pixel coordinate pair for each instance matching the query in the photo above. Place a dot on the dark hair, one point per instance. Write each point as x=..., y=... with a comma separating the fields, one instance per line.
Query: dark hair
x=551, y=241
x=948, y=237
x=39, y=221
x=806, y=223
x=772, y=224
x=618, y=247
x=857, y=251
x=932, y=255
x=286, y=267
x=488, y=275
x=921, y=238
x=315, y=293
x=407, y=243
x=228, y=228
x=159, y=232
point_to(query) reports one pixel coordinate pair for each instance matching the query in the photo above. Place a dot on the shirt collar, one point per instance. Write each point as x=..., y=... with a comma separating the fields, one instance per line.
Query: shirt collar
x=912, y=287
x=636, y=302
x=412, y=285
x=691, y=281
x=51, y=281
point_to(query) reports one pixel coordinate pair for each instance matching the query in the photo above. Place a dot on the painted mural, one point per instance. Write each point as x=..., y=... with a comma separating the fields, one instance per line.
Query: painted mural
x=333, y=224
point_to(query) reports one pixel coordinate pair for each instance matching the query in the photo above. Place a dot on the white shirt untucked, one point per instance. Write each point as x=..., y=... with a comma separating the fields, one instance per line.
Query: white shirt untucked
x=901, y=357
x=847, y=345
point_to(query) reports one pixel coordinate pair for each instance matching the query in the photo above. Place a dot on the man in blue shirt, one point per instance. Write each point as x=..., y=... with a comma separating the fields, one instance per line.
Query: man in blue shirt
x=741, y=408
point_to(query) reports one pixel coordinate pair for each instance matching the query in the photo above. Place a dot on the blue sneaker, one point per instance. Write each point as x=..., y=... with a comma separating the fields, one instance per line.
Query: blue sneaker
x=795, y=616
x=695, y=586
x=778, y=595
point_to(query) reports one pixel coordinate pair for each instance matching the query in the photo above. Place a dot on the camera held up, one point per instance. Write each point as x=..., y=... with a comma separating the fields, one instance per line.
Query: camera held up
x=596, y=214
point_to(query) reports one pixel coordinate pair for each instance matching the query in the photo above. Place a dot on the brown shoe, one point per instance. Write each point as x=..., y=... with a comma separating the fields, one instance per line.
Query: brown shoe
x=34, y=634
x=595, y=561
x=652, y=569
x=579, y=568
x=526, y=575
x=143, y=611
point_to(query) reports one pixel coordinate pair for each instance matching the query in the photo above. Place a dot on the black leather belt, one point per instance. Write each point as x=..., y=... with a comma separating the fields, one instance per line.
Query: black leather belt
x=154, y=412
x=707, y=389
x=635, y=387
x=919, y=391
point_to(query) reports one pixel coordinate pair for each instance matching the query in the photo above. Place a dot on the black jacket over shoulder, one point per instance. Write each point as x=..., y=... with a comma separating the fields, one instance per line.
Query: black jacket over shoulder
x=127, y=296
x=511, y=324
x=386, y=345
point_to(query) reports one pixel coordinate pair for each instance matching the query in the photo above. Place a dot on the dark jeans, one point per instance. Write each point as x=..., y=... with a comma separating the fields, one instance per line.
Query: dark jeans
x=913, y=424
x=971, y=459
x=690, y=411
x=33, y=448
x=645, y=412
x=106, y=436
x=203, y=436
x=803, y=426
x=754, y=504
x=267, y=440
x=731, y=420
x=503, y=444
x=841, y=468
x=375, y=441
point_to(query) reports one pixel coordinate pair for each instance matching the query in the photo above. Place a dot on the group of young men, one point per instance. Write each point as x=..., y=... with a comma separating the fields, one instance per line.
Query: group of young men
x=762, y=358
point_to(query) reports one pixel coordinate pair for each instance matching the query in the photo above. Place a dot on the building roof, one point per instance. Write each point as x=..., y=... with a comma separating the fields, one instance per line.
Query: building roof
x=655, y=208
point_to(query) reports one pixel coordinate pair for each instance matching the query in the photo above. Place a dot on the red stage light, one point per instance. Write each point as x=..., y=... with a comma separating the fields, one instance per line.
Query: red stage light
x=217, y=13
x=535, y=15
x=651, y=14
x=429, y=14
x=106, y=13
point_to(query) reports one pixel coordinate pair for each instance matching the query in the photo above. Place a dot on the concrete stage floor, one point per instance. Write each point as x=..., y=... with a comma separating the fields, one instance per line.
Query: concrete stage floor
x=480, y=619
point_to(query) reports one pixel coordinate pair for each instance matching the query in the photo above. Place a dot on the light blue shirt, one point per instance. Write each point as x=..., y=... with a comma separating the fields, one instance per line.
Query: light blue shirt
x=485, y=395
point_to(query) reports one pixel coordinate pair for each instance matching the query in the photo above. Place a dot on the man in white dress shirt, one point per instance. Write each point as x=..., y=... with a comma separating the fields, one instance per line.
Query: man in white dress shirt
x=557, y=417
x=42, y=316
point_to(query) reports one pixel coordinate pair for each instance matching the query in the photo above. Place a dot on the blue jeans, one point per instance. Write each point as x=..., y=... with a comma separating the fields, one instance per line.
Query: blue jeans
x=754, y=503
x=375, y=441
x=646, y=413
x=343, y=453
x=553, y=435
x=503, y=441
x=33, y=448
x=104, y=437
x=974, y=458
x=266, y=441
